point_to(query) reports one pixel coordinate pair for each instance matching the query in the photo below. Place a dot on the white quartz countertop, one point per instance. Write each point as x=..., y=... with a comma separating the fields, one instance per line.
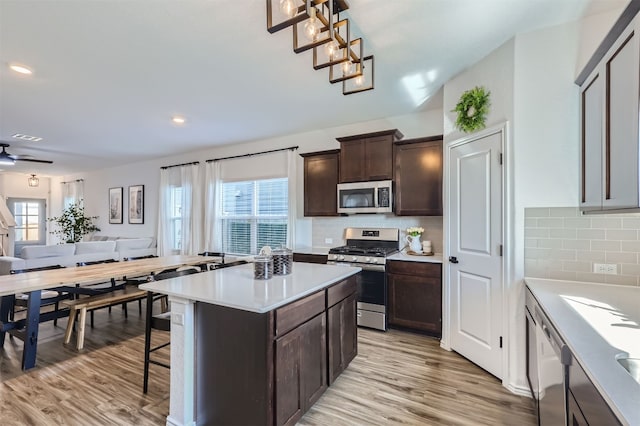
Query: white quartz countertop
x=235, y=286
x=436, y=258
x=599, y=323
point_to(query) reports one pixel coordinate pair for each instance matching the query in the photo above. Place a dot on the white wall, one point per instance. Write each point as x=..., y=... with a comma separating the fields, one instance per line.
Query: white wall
x=97, y=183
x=531, y=83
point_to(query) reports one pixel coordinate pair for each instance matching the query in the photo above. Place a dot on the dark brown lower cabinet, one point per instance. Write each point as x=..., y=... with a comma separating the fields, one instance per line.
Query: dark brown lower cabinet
x=415, y=296
x=301, y=370
x=270, y=368
x=310, y=258
x=343, y=336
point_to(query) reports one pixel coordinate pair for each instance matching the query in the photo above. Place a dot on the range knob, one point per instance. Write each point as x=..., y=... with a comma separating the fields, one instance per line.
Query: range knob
x=367, y=260
x=341, y=257
x=374, y=260
x=354, y=258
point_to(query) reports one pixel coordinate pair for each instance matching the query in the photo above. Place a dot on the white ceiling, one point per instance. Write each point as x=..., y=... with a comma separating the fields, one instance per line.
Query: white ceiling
x=109, y=75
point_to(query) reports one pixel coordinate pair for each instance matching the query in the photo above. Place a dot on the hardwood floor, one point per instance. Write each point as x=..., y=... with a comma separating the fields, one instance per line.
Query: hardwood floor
x=397, y=378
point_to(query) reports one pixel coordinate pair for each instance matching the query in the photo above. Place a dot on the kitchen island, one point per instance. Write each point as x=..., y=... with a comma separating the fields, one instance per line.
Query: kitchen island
x=247, y=351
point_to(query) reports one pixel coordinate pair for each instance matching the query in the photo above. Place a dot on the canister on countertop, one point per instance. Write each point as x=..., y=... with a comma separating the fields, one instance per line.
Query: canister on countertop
x=262, y=267
x=282, y=261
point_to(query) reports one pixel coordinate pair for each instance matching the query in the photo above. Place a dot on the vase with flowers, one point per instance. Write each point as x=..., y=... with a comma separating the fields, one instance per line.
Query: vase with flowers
x=413, y=238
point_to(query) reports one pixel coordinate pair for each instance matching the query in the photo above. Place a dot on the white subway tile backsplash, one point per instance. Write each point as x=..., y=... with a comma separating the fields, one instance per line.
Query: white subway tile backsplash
x=576, y=244
x=604, y=245
x=592, y=234
x=577, y=222
x=537, y=212
x=606, y=223
x=561, y=243
x=621, y=257
x=554, y=222
x=630, y=246
x=622, y=234
x=564, y=212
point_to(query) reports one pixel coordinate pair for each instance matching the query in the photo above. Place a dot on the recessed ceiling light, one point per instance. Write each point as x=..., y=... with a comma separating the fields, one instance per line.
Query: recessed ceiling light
x=20, y=69
x=29, y=138
x=178, y=120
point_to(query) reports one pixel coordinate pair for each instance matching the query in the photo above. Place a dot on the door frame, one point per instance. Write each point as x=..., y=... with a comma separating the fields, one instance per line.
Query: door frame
x=504, y=130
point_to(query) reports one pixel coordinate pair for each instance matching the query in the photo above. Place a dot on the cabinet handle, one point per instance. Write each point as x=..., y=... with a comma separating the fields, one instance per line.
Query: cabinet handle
x=453, y=259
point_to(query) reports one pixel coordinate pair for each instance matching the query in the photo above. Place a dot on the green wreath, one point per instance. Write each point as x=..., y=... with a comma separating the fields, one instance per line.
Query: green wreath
x=472, y=109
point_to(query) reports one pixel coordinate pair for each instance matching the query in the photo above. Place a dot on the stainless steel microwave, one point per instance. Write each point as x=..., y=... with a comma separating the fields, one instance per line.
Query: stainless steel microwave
x=365, y=197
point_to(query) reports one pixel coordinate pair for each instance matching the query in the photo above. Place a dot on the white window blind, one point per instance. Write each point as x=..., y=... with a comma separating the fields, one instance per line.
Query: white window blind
x=254, y=214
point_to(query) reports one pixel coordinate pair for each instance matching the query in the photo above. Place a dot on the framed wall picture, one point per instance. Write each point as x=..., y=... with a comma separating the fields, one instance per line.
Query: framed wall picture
x=115, y=205
x=136, y=204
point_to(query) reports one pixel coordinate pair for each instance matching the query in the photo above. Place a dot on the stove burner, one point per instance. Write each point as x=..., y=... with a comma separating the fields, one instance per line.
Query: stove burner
x=363, y=251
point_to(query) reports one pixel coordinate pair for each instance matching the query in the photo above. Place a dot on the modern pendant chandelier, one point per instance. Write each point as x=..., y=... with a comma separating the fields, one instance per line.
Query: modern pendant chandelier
x=317, y=25
x=33, y=181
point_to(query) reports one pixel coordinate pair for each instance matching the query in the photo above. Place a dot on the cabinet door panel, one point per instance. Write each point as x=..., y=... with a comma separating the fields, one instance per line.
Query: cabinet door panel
x=418, y=177
x=621, y=120
x=591, y=161
x=378, y=156
x=352, y=161
x=289, y=403
x=415, y=302
x=320, y=184
x=342, y=332
x=313, y=362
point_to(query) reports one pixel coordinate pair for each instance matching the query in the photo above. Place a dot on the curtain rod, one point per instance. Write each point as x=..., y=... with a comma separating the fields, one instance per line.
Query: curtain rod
x=180, y=165
x=291, y=148
x=71, y=181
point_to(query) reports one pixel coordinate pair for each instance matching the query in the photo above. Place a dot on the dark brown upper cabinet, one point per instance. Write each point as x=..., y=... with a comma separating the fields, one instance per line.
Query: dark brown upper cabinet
x=368, y=156
x=321, y=171
x=418, y=177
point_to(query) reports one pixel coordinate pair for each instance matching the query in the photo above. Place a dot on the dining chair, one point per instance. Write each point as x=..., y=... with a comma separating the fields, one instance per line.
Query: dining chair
x=47, y=297
x=160, y=321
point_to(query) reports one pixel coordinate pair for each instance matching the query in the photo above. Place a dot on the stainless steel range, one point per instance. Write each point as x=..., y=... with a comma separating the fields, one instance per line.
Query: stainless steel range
x=368, y=249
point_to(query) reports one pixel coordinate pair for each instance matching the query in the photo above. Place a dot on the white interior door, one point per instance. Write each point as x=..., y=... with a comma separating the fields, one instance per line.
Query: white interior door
x=475, y=243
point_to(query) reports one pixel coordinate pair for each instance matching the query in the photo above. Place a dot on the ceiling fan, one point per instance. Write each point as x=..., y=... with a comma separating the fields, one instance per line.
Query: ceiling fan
x=7, y=159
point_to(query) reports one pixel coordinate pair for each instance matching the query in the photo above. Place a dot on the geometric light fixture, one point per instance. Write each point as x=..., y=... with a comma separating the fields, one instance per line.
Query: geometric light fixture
x=33, y=181
x=317, y=25
x=350, y=68
x=317, y=29
x=337, y=50
x=364, y=81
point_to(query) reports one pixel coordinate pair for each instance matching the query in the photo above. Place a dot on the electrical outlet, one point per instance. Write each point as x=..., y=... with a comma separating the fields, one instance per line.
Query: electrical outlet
x=328, y=240
x=605, y=268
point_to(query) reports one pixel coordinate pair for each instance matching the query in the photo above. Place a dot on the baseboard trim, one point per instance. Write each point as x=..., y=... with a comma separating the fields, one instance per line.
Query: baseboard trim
x=519, y=390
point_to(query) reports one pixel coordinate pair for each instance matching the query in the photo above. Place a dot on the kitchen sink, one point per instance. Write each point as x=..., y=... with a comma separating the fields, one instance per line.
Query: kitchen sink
x=632, y=365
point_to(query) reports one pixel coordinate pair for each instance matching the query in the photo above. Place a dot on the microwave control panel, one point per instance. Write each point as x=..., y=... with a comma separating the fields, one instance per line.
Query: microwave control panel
x=383, y=197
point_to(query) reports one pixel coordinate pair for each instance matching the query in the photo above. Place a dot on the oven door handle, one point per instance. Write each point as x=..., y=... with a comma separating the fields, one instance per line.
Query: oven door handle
x=364, y=266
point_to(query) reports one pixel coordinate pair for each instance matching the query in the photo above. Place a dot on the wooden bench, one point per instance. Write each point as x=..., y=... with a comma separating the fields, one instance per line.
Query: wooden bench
x=128, y=294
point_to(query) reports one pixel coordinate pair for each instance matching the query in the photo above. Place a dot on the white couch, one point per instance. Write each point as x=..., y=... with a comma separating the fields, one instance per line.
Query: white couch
x=71, y=254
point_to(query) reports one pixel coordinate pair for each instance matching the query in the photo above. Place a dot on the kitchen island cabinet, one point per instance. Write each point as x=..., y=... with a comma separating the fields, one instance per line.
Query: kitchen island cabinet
x=262, y=345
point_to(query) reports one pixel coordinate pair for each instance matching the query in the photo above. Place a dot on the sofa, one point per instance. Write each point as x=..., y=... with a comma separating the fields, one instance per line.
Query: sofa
x=71, y=254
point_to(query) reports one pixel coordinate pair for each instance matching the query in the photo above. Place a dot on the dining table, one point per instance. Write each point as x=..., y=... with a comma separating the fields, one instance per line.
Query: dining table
x=32, y=283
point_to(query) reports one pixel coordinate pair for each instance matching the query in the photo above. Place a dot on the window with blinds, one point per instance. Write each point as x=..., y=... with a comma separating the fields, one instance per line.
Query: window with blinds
x=254, y=215
x=175, y=216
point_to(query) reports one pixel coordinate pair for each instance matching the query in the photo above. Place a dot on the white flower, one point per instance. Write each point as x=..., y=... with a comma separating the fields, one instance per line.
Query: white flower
x=414, y=231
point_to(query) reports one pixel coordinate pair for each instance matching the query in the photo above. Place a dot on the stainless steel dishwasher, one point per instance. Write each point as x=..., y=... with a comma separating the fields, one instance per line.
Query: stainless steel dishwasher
x=548, y=360
x=554, y=358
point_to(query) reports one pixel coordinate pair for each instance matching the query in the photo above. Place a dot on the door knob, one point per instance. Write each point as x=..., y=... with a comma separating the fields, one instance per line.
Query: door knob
x=453, y=259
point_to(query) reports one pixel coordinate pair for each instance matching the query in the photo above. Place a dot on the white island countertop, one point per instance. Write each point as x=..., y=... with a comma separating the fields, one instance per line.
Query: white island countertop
x=599, y=323
x=235, y=287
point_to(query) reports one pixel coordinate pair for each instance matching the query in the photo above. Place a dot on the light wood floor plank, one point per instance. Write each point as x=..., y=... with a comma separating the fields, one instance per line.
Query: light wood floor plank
x=398, y=378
